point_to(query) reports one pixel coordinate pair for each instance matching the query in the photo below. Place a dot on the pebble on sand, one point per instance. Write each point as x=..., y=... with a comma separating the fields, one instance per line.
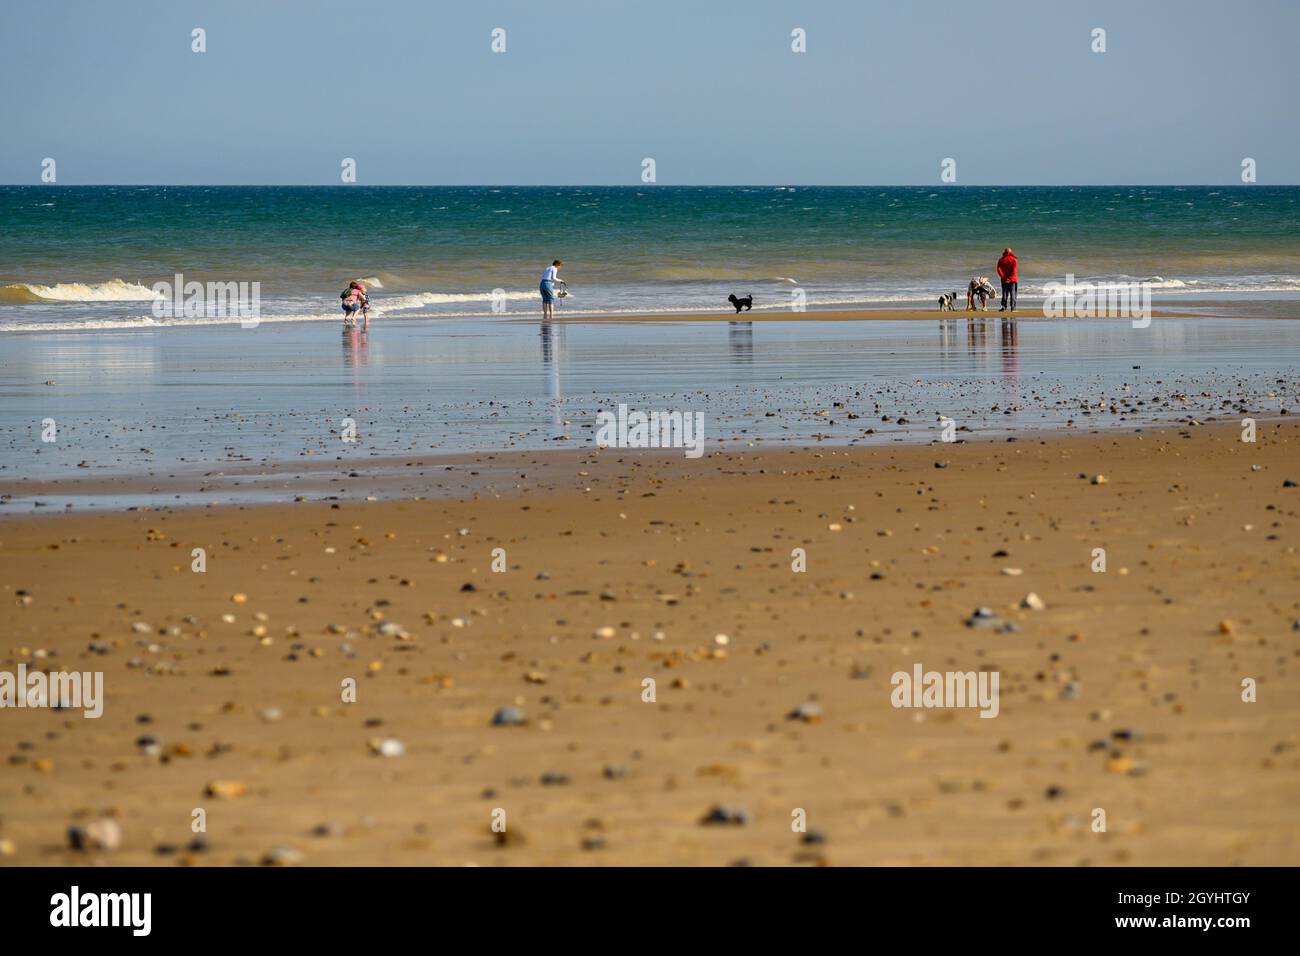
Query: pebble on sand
x=809, y=713
x=225, y=789
x=100, y=835
x=386, y=746
x=509, y=717
x=1032, y=602
x=282, y=856
x=726, y=816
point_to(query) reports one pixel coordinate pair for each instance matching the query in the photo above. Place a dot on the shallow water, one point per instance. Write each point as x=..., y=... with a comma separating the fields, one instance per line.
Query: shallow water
x=189, y=401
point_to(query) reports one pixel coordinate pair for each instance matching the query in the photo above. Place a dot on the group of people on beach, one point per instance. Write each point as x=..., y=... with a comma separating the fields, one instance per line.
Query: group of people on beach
x=981, y=290
x=355, y=299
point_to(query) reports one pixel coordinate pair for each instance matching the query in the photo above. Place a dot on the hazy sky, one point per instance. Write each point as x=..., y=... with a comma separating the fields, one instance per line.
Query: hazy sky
x=710, y=89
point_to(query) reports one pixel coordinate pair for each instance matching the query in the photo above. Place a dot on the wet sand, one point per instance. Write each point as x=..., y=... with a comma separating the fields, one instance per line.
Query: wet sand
x=864, y=314
x=1123, y=693
x=196, y=409
x=1030, y=311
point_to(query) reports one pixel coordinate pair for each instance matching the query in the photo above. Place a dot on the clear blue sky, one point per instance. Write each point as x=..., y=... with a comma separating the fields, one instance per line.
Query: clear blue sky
x=709, y=88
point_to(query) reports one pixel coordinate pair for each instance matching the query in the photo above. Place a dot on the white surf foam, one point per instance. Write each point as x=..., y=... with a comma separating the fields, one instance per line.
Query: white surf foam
x=114, y=290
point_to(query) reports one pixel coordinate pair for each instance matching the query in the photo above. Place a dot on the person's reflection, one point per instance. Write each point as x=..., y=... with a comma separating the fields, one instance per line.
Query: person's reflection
x=1011, y=352
x=740, y=337
x=947, y=338
x=976, y=335
x=354, y=349
x=552, y=346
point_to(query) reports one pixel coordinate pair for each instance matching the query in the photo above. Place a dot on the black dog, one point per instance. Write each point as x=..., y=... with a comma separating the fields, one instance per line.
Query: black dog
x=745, y=303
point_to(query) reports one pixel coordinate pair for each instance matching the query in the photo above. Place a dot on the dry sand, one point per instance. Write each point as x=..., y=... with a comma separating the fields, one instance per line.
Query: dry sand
x=1124, y=693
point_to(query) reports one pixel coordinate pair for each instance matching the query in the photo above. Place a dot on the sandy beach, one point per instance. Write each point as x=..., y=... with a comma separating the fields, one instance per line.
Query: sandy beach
x=1120, y=691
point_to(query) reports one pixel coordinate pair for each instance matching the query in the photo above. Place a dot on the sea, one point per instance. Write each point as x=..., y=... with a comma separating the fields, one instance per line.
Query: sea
x=90, y=258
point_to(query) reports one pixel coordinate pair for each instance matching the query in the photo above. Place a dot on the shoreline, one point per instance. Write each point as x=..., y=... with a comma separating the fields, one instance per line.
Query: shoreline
x=1223, y=307
x=1147, y=657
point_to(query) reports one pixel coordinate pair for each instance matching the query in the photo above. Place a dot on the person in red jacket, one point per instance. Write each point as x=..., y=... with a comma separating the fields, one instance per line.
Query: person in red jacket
x=1008, y=272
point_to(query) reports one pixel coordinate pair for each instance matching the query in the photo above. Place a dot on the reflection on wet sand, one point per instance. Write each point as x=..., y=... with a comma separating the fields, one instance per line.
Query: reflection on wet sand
x=354, y=349
x=1010, y=339
x=740, y=339
x=552, y=346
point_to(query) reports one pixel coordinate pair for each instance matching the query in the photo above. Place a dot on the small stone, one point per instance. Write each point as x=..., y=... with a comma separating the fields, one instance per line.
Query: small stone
x=614, y=771
x=386, y=746
x=553, y=779
x=1032, y=602
x=282, y=856
x=238, y=598
x=726, y=816
x=225, y=789
x=1099, y=479
x=102, y=834
x=1121, y=764
x=509, y=717
x=270, y=715
x=809, y=713
x=604, y=633
x=983, y=617
x=140, y=627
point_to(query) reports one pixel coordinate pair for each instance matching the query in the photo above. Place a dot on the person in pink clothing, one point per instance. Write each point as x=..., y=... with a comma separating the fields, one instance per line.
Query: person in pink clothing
x=354, y=301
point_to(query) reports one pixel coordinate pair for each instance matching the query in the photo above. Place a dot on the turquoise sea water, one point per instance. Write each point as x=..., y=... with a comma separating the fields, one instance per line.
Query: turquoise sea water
x=87, y=257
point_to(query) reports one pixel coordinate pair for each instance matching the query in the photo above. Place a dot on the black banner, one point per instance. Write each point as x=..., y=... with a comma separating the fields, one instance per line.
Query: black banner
x=332, y=906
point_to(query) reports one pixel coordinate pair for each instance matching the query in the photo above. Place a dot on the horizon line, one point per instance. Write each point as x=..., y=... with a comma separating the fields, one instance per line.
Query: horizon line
x=772, y=185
